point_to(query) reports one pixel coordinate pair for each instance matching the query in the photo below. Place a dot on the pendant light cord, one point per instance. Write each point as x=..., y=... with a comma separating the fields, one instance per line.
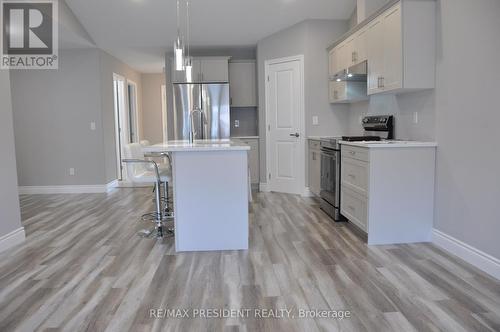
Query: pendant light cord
x=187, y=28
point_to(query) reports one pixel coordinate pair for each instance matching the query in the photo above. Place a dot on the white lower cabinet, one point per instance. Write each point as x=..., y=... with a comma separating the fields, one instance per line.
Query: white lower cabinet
x=354, y=207
x=314, y=167
x=388, y=192
x=253, y=159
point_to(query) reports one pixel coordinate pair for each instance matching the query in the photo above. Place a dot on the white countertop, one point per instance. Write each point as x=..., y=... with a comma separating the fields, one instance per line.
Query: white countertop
x=391, y=144
x=244, y=137
x=198, y=146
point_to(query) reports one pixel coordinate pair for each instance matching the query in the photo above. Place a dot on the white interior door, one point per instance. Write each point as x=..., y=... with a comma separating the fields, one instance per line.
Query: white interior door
x=285, y=144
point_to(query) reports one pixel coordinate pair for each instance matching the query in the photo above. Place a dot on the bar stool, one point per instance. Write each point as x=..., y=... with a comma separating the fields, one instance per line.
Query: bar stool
x=142, y=171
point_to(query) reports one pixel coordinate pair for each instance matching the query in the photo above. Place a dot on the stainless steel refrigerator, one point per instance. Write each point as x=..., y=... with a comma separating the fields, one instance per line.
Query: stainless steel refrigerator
x=212, y=100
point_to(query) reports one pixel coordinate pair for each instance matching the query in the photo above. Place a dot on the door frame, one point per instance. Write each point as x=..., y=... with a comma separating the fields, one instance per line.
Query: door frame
x=119, y=123
x=301, y=108
x=136, y=109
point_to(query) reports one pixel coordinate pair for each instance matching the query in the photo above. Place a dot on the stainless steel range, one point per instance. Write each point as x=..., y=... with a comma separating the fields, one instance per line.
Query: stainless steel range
x=330, y=161
x=330, y=177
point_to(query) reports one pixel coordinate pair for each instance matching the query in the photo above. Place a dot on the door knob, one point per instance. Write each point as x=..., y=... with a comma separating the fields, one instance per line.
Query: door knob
x=295, y=135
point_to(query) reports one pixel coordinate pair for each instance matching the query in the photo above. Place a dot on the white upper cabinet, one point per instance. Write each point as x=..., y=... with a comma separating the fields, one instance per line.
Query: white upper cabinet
x=375, y=51
x=393, y=50
x=214, y=70
x=333, y=67
x=205, y=70
x=243, y=83
x=399, y=45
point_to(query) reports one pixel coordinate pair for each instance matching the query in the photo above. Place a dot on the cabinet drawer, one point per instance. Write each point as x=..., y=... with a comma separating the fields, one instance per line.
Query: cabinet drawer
x=355, y=152
x=314, y=145
x=354, y=175
x=354, y=207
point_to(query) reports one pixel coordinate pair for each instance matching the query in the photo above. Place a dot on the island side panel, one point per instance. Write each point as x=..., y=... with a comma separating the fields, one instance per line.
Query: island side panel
x=210, y=200
x=401, y=190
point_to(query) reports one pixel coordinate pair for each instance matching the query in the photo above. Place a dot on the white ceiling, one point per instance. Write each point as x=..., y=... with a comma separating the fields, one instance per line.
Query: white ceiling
x=140, y=31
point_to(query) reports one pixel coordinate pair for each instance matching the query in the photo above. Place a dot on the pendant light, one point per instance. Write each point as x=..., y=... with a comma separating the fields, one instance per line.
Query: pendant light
x=188, y=64
x=178, y=45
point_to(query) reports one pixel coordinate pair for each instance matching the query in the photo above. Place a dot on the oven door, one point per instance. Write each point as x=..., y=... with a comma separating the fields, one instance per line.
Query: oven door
x=330, y=176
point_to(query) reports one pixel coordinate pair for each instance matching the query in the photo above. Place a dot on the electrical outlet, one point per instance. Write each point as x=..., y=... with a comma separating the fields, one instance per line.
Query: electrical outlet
x=415, y=117
x=236, y=123
x=71, y=171
x=92, y=125
x=315, y=120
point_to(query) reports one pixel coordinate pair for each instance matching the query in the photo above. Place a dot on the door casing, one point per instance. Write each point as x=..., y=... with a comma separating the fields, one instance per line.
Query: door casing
x=301, y=107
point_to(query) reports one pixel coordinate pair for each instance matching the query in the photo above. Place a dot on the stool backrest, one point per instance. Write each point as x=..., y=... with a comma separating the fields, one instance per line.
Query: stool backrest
x=134, y=151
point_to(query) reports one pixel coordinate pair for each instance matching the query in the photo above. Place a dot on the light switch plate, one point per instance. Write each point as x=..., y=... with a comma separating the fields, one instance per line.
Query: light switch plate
x=72, y=171
x=415, y=117
x=236, y=123
x=92, y=125
x=315, y=120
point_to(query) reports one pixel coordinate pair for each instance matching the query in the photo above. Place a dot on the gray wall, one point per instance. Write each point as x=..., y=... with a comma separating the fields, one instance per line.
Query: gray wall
x=462, y=115
x=10, y=218
x=52, y=114
x=53, y=110
x=309, y=38
x=467, y=116
x=152, y=125
x=108, y=66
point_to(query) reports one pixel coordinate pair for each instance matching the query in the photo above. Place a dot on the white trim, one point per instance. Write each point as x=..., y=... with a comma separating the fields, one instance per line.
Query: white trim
x=302, y=116
x=163, y=91
x=263, y=187
x=130, y=184
x=307, y=193
x=119, y=127
x=471, y=255
x=11, y=239
x=137, y=137
x=111, y=185
x=78, y=189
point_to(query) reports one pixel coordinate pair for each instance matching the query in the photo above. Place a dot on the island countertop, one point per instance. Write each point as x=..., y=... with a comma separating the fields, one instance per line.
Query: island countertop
x=198, y=146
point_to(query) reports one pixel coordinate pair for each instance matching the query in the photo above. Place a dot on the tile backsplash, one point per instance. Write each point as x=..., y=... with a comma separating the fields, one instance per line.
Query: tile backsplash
x=244, y=121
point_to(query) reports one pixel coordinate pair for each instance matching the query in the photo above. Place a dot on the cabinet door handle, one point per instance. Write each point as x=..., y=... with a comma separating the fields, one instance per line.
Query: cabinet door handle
x=352, y=176
x=352, y=153
x=382, y=83
x=314, y=155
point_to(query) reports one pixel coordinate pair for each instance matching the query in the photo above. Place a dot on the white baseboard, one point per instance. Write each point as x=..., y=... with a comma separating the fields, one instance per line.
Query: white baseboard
x=111, y=185
x=78, y=189
x=13, y=238
x=471, y=255
x=263, y=186
x=307, y=193
x=127, y=184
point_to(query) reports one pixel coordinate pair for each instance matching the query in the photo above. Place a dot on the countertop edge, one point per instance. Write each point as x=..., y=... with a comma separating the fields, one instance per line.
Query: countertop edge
x=391, y=145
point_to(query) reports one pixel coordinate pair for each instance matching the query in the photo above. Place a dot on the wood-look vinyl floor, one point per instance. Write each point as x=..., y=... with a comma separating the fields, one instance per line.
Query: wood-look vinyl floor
x=83, y=268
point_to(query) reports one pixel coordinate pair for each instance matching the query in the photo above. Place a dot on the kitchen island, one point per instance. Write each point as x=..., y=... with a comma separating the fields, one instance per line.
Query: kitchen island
x=210, y=193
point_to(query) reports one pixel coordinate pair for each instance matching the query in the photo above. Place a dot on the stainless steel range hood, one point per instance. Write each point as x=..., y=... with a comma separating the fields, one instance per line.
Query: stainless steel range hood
x=356, y=73
x=349, y=85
